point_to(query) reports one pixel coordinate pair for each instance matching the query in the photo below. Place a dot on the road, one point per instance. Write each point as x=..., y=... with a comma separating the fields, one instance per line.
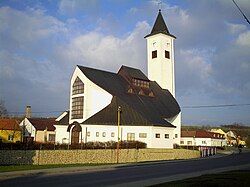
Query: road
x=137, y=175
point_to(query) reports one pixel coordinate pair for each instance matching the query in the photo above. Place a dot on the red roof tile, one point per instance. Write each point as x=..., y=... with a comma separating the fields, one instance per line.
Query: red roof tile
x=201, y=134
x=9, y=124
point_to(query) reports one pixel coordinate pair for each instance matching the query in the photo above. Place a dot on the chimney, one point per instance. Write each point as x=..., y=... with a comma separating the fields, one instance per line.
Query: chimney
x=28, y=112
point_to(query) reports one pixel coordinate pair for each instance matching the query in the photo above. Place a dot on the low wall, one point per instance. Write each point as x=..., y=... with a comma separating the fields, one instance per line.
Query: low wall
x=43, y=157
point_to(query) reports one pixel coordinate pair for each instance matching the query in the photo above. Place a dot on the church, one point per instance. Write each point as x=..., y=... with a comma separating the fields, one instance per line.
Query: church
x=127, y=105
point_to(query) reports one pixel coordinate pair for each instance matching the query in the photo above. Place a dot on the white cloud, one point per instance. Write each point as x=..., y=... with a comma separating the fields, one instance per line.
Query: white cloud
x=244, y=39
x=107, y=51
x=236, y=28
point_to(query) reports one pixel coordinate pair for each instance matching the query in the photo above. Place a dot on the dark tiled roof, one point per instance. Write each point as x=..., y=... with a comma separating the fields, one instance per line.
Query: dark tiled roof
x=160, y=27
x=43, y=123
x=134, y=73
x=139, y=108
x=201, y=134
x=64, y=120
x=9, y=124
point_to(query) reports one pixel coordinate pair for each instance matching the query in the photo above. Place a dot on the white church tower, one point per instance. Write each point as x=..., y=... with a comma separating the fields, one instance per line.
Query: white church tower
x=160, y=49
x=160, y=52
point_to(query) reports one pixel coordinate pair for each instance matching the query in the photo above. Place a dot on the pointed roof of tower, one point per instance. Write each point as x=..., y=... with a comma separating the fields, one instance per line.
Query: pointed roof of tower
x=160, y=26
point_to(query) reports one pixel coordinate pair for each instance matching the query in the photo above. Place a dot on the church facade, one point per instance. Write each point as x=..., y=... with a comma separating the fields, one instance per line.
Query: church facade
x=144, y=106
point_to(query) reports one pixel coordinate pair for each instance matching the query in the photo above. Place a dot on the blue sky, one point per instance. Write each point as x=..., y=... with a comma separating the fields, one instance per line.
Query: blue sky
x=41, y=42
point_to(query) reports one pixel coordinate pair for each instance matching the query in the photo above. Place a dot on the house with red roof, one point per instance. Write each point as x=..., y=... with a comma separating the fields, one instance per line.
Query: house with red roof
x=202, y=138
x=10, y=130
x=38, y=129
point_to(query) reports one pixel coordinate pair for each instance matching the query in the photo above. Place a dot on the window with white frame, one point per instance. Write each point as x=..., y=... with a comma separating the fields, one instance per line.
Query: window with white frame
x=130, y=136
x=97, y=134
x=157, y=135
x=142, y=135
x=182, y=142
x=167, y=136
x=104, y=134
x=189, y=142
x=112, y=134
x=203, y=142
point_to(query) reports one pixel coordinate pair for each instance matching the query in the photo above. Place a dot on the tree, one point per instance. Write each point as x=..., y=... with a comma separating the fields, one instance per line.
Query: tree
x=3, y=110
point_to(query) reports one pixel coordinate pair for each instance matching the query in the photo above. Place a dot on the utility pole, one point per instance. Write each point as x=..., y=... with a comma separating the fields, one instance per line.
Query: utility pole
x=118, y=133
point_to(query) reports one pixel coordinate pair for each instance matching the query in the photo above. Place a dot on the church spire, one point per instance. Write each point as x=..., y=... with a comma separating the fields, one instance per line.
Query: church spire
x=160, y=26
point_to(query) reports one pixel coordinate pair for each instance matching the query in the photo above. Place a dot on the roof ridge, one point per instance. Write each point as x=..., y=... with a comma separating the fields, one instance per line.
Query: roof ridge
x=85, y=67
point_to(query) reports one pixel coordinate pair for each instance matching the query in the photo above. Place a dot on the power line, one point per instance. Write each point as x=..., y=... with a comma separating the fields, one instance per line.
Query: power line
x=216, y=106
x=191, y=106
x=241, y=12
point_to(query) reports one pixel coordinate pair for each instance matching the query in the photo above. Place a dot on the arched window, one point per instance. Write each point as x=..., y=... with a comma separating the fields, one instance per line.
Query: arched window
x=78, y=87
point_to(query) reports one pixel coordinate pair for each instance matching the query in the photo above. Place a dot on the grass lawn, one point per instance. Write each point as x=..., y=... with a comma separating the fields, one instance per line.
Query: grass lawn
x=226, y=179
x=34, y=167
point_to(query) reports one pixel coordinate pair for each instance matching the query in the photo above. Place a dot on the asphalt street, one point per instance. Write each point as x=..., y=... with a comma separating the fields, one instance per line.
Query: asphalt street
x=135, y=175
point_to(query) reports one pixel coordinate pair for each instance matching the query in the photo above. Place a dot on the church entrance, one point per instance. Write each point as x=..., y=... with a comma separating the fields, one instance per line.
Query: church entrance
x=75, y=135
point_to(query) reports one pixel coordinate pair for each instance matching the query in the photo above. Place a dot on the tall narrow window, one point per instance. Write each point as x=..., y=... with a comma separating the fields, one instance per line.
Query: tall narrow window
x=167, y=55
x=78, y=87
x=154, y=54
x=77, y=108
x=131, y=136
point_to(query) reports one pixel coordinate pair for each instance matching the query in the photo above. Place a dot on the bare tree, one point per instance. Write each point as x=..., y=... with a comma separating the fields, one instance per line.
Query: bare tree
x=3, y=110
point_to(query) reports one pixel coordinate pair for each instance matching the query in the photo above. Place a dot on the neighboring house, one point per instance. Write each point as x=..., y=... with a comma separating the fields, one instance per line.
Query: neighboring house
x=202, y=138
x=146, y=106
x=232, y=134
x=39, y=129
x=10, y=130
x=220, y=131
x=231, y=137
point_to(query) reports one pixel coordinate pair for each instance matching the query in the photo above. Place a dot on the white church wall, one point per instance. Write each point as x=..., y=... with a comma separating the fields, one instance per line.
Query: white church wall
x=95, y=98
x=110, y=133
x=62, y=136
x=165, y=140
x=177, y=131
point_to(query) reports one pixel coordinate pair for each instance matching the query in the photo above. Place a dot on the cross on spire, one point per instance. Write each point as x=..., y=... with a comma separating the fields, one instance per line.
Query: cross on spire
x=159, y=5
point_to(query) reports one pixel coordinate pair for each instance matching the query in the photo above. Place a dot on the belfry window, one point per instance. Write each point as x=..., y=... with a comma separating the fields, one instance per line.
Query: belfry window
x=154, y=54
x=167, y=55
x=77, y=108
x=78, y=87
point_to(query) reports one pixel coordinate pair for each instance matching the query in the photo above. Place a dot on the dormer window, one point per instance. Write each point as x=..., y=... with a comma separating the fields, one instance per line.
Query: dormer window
x=167, y=55
x=140, y=83
x=141, y=92
x=78, y=87
x=130, y=90
x=151, y=94
x=154, y=54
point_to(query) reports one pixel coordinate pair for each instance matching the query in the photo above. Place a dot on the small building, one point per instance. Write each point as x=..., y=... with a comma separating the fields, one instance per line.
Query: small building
x=220, y=131
x=38, y=129
x=231, y=137
x=10, y=130
x=202, y=138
